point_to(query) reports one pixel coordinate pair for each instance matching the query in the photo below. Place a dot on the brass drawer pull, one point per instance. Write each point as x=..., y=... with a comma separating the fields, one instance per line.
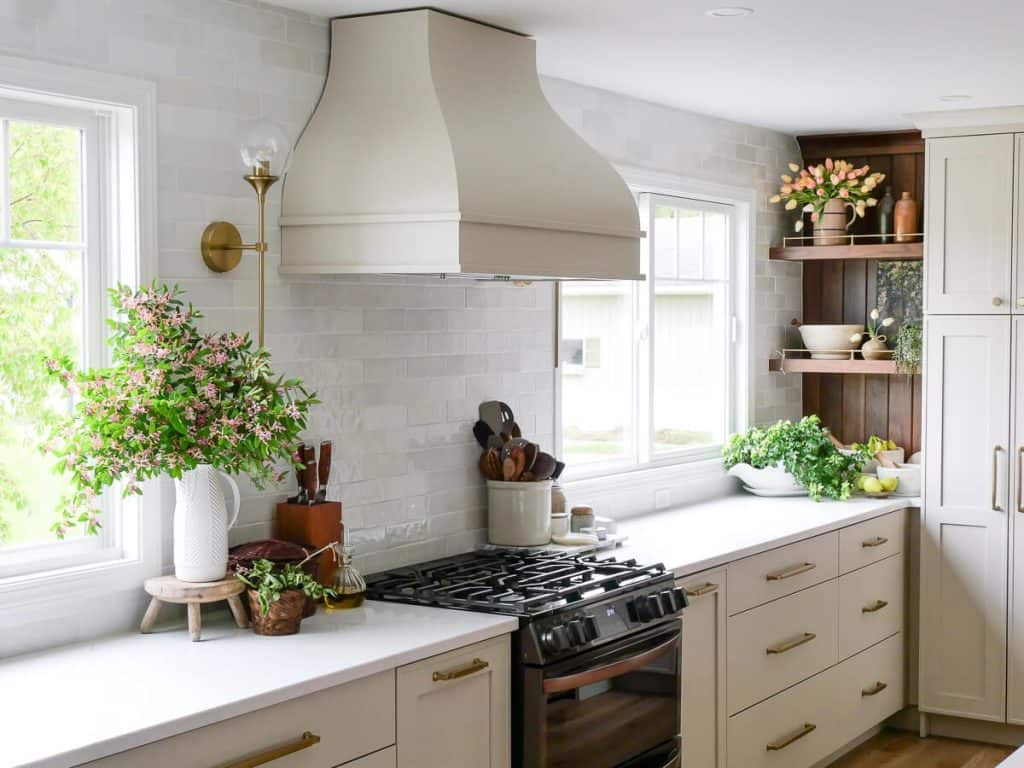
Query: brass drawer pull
x=791, y=644
x=875, y=542
x=875, y=606
x=790, y=572
x=777, y=745
x=306, y=741
x=874, y=689
x=473, y=667
x=705, y=589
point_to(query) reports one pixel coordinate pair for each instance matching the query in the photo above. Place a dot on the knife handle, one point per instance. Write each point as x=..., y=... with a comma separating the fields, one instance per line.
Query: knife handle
x=299, y=460
x=309, y=476
x=324, y=467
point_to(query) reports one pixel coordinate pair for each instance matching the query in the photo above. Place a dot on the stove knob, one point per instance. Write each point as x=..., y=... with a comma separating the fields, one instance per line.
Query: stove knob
x=673, y=600
x=590, y=628
x=556, y=639
x=578, y=633
x=679, y=595
x=654, y=609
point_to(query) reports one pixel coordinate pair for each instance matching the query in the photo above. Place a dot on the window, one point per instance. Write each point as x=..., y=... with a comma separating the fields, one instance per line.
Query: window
x=69, y=230
x=648, y=371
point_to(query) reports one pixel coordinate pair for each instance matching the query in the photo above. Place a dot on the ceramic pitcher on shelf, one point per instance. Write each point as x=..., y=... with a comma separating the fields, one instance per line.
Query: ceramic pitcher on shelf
x=830, y=229
x=201, y=524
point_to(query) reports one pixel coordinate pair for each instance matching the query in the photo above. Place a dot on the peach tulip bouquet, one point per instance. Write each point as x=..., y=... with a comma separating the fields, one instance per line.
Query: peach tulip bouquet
x=815, y=185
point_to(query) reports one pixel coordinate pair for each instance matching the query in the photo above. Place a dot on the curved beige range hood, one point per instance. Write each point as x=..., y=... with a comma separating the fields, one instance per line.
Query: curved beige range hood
x=433, y=150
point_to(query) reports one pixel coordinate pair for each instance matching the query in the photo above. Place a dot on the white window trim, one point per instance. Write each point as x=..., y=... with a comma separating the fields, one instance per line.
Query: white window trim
x=698, y=462
x=129, y=108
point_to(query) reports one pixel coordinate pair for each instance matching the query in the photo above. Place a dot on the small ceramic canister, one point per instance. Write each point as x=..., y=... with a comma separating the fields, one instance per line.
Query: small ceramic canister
x=582, y=517
x=559, y=524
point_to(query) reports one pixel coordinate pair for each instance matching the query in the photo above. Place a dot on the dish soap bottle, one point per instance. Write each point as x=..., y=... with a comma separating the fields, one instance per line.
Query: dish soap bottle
x=348, y=582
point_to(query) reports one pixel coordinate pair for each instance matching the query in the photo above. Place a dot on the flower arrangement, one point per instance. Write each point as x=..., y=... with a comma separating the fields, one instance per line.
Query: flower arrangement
x=174, y=398
x=815, y=185
x=875, y=327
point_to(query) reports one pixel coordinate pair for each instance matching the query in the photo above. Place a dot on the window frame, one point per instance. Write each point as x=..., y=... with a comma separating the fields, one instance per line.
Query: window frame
x=119, y=244
x=740, y=402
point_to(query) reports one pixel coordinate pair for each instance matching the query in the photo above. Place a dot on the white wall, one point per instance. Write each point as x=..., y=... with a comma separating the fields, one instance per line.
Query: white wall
x=400, y=364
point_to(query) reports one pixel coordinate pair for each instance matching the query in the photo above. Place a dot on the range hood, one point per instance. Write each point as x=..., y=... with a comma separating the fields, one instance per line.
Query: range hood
x=434, y=150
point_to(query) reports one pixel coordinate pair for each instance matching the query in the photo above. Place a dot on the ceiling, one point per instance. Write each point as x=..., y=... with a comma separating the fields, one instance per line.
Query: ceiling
x=800, y=66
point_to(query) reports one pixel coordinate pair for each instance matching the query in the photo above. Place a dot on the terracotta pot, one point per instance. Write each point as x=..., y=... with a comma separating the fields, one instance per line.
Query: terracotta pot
x=830, y=229
x=905, y=218
x=284, y=615
x=875, y=349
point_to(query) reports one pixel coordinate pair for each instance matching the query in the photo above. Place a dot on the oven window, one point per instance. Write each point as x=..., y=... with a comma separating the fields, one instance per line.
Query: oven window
x=617, y=711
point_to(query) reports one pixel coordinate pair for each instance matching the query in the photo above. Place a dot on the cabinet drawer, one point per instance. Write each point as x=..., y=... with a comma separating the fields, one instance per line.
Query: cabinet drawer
x=386, y=758
x=806, y=716
x=779, y=572
x=777, y=645
x=351, y=720
x=870, y=687
x=870, y=605
x=871, y=541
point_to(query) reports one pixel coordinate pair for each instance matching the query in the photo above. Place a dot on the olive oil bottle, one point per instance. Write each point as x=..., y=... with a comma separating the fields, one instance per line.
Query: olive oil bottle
x=348, y=582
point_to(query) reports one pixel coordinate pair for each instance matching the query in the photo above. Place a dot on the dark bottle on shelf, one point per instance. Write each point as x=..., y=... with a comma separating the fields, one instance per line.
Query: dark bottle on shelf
x=885, y=209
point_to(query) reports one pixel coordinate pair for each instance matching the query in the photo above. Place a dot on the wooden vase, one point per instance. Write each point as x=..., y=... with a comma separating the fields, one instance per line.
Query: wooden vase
x=283, y=616
x=905, y=218
x=831, y=226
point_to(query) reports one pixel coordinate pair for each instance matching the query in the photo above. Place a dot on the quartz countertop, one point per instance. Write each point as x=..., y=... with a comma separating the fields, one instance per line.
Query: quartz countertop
x=711, y=533
x=66, y=706
x=1016, y=760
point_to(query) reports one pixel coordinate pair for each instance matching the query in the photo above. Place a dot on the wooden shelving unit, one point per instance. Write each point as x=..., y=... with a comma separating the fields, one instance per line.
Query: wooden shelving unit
x=806, y=365
x=878, y=251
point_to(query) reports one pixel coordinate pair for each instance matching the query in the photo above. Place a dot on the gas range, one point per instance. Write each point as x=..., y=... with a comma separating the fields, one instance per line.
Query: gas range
x=566, y=603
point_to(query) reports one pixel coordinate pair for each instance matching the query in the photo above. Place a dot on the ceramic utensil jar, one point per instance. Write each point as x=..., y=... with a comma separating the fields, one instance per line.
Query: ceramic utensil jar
x=905, y=216
x=519, y=514
x=201, y=524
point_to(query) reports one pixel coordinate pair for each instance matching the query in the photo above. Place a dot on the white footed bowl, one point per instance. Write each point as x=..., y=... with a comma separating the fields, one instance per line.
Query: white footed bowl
x=830, y=337
x=768, y=479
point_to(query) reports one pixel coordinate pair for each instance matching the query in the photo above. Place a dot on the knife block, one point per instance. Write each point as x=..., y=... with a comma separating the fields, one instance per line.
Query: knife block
x=312, y=526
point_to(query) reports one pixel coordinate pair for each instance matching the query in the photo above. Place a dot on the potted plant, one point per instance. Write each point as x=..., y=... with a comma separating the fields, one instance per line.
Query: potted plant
x=908, y=348
x=277, y=594
x=825, y=191
x=805, y=450
x=874, y=348
x=179, y=402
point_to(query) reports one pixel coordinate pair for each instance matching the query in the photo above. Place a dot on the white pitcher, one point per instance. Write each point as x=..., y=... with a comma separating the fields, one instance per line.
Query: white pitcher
x=201, y=524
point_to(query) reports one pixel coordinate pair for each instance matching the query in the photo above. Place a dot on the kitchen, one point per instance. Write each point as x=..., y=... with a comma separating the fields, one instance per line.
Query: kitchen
x=368, y=275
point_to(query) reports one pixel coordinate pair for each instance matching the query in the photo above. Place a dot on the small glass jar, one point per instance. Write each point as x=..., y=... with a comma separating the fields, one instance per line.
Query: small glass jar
x=557, y=499
x=559, y=524
x=348, y=582
x=582, y=517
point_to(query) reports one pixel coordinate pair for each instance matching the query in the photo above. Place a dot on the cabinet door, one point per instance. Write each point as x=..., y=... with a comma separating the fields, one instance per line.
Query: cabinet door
x=1015, y=649
x=704, y=716
x=965, y=527
x=969, y=225
x=454, y=709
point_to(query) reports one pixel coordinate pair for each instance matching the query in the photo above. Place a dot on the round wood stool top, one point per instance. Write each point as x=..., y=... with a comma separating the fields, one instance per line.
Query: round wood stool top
x=171, y=590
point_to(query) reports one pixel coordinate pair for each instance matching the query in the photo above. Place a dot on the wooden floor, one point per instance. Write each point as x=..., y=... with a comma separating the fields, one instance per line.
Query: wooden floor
x=902, y=749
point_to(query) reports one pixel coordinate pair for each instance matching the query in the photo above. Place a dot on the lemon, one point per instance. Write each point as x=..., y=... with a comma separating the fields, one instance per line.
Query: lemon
x=873, y=485
x=889, y=483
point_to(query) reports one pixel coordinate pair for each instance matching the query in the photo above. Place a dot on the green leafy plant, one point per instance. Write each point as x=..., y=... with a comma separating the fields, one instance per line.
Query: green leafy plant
x=804, y=450
x=270, y=579
x=173, y=399
x=908, y=348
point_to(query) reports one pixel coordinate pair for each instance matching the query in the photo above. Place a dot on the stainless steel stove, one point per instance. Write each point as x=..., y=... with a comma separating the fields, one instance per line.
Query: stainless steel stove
x=597, y=637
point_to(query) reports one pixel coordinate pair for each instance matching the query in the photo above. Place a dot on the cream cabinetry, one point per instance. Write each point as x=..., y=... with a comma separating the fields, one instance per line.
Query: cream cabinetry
x=450, y=710
x=453, y=709
x=969, y=225
x=964, y=547
x=704, y=667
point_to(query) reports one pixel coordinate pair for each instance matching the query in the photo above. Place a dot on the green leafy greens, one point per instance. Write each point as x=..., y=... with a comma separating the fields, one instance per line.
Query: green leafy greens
x=804, y=450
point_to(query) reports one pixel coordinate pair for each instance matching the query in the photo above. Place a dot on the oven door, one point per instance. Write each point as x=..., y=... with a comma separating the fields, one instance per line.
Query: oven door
x=614, y=707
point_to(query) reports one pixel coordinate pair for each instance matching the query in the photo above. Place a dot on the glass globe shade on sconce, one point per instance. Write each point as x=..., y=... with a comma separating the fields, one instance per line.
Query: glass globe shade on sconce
x=266, y=151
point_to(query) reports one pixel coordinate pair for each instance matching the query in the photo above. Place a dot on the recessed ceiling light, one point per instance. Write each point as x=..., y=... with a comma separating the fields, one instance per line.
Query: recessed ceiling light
x=953, y=97
x=729, y=12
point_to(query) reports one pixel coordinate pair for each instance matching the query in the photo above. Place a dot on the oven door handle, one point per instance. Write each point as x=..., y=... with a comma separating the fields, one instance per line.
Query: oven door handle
x=608, y=671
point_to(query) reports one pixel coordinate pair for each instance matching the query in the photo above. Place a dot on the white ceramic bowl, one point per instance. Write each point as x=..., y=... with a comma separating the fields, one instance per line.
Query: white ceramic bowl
x=768, y=479
x=519, y=514
x=830, y=337
x=909, y=476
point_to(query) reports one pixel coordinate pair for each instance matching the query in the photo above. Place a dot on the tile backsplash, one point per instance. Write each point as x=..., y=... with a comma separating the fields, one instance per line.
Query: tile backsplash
x=400, y=364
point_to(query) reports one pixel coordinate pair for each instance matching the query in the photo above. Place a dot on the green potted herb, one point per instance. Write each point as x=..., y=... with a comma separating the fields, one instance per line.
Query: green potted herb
x=277, y=595
x=908, y=348
x=804, y=450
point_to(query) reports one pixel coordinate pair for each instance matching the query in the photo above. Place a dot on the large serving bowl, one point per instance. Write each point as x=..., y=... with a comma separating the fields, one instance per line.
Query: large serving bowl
x=823, y=341
x=775, y=479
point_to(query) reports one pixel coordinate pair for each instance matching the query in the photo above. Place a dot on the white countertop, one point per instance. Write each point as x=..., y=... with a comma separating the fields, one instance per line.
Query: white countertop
x=1016, y=760
x=68, y=705
x=712, y=533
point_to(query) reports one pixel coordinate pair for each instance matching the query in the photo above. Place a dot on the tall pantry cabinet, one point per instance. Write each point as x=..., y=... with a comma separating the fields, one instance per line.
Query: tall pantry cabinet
x=972, y=547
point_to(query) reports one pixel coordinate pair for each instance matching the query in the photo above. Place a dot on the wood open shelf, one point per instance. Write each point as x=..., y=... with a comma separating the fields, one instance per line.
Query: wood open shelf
x=887, y=251
x=806, y=365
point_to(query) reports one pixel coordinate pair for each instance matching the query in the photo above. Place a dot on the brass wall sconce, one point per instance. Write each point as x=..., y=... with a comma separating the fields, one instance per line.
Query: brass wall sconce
x=265, y=152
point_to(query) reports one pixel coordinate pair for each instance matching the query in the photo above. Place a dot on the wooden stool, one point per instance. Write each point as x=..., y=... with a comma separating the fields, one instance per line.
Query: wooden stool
x=167, y=589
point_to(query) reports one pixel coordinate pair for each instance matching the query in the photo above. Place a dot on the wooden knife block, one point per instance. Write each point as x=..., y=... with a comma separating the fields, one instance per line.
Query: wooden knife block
x=312, y=526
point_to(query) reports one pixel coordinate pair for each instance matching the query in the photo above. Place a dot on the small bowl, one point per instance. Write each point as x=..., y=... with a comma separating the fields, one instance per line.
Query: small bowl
x=830, y=338
x=909, y=476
